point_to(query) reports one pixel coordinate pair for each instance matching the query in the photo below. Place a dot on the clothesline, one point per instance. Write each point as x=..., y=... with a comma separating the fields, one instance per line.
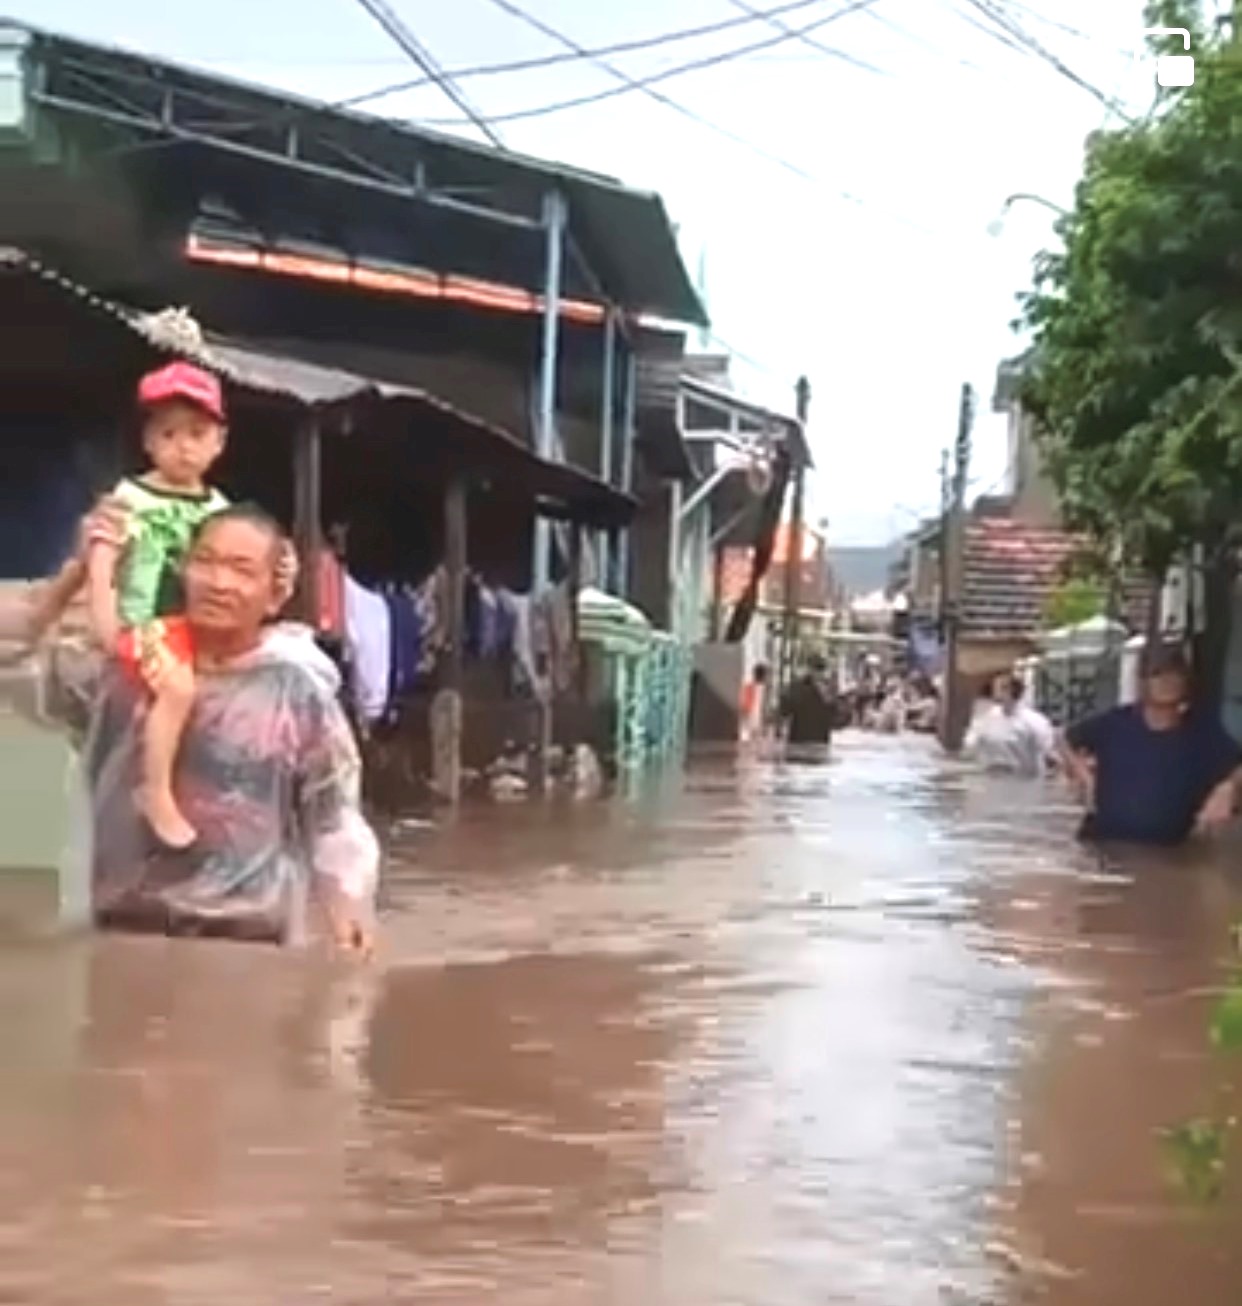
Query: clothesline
x=393, y=635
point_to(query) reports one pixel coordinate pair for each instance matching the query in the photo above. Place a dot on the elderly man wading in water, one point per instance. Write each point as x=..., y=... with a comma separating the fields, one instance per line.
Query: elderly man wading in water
x=268, y=769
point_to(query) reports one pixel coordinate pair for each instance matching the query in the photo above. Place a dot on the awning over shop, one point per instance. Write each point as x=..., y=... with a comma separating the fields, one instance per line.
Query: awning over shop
x=42, y=308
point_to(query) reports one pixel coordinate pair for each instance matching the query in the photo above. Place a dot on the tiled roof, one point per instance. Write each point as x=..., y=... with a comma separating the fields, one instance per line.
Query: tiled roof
x=1011, y=573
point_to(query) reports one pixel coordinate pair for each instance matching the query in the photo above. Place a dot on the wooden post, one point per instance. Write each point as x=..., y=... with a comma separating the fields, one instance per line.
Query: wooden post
x=718, y=572
x=607, y=427
x=957, y=704
x=576, y=555
x=447, y=708
x=794, y=550
x=307, y=531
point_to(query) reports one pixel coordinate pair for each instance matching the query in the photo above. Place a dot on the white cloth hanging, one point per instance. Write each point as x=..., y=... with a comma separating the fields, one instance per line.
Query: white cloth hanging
x=368, y=640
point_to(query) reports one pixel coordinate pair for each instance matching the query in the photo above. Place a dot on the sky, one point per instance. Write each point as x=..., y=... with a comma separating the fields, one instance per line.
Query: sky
x=841, y=198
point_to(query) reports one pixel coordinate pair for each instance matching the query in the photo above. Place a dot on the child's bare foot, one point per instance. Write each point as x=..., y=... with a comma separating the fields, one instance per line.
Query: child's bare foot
x=166, y=822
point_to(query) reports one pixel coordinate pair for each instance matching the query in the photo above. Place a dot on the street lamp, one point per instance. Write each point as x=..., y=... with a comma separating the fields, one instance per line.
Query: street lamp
x=997, y=225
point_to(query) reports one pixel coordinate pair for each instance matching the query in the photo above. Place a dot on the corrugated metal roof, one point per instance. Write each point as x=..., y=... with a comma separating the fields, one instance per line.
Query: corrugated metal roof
x=625, y=234
x=311, y=386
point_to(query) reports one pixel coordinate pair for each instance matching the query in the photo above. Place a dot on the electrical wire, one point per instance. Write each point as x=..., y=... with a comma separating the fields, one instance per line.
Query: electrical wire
x=806, y=39
x=286, y=117
x=749, y=360
x=760, y=151
x=410, y=45
x=918, y=41
x=645, y=85
x=1013, y=32
x=990, y=31
x=1068, y=28
x=537, y=63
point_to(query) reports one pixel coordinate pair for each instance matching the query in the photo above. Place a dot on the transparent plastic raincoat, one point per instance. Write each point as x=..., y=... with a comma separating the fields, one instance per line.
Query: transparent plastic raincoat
x=269, y=775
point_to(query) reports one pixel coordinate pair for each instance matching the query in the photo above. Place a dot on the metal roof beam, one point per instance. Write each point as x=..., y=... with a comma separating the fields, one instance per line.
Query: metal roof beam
x=135, y=118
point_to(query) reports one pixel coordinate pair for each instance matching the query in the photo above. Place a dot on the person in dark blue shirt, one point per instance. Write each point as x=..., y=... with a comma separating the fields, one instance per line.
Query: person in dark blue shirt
x=1157, y=771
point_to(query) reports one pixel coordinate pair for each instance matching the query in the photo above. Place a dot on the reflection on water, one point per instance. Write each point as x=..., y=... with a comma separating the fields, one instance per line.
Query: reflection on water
x=865, y=1032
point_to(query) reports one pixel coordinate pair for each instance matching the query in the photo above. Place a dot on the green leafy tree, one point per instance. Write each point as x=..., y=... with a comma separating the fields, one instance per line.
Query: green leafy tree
x=1137, y=322
x=1074, y=601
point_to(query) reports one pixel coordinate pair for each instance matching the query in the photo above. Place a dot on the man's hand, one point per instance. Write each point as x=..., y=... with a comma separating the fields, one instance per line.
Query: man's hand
x=1218, y=811
x=106, y=524
x=1080, y=771
x=351, y=926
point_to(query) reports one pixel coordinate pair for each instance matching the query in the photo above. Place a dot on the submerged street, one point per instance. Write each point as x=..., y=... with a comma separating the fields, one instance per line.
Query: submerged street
x=874, y=1032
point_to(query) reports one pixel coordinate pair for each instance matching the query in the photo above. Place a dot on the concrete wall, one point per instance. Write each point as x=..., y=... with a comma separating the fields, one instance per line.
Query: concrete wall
x=649, y=551
x=44, y=820
x=1034, y=498
x=716, y=693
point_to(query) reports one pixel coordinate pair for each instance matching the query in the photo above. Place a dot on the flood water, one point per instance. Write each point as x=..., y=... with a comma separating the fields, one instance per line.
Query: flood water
x=874, y=1032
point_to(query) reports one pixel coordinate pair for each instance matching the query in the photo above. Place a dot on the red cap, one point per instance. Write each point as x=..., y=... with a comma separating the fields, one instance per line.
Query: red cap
x=183, y=381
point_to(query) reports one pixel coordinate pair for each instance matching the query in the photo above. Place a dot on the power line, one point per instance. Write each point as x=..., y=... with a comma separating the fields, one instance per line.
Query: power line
x=919, y=41
x=750, y=361
x=633, y=45
x=535, y=64
x=806, y=39
x=646, y=85
x=642, y=85
x=684, y=111
x=287, y=116
x=387, y=18
x=990, y=31
x=1015, y=33
x=1068, y=28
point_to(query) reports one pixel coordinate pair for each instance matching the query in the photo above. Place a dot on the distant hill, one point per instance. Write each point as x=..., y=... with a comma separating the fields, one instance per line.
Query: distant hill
x=863, y=569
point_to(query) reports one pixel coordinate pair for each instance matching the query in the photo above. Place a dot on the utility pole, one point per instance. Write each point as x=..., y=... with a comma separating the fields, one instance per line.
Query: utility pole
x=942, y=550
x=793, y=560
x=953, y=549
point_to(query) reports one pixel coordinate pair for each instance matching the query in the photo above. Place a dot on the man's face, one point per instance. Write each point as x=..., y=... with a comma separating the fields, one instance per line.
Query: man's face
x=230, y=578
x=1167, y=691
x=1002, y=692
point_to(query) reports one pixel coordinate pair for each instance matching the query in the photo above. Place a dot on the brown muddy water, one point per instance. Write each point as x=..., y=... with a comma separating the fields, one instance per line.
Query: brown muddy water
x=874, y=1032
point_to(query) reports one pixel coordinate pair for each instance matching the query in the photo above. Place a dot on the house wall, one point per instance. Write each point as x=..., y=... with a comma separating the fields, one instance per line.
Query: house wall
x=56, y=463
x=716, y=692
x=650, y=540
x=692, y=616
x=1034, y=498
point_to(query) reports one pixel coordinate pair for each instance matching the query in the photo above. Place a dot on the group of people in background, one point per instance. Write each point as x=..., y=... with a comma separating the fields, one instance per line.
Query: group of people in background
x=1155, y=772
x=816, y=704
